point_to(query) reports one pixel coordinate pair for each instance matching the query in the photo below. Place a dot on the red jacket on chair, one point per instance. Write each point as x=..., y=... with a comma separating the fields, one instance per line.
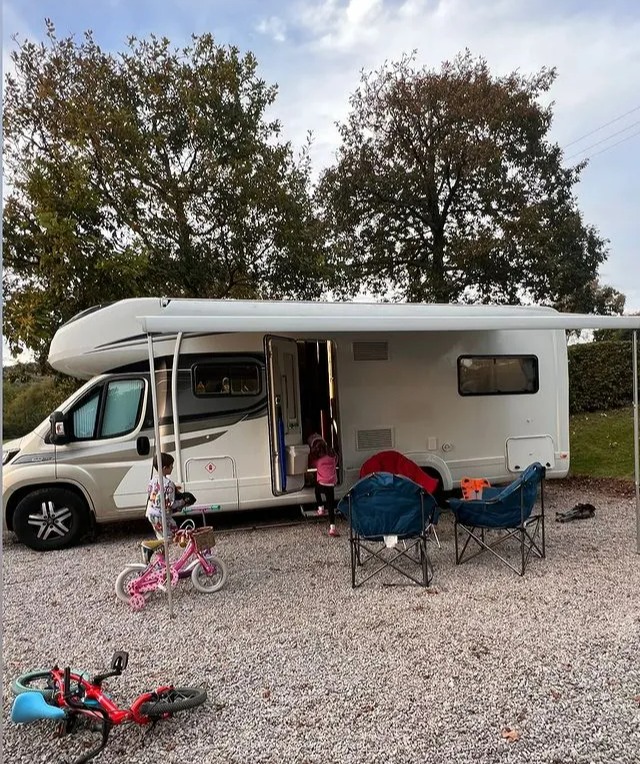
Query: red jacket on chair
x=398, y=464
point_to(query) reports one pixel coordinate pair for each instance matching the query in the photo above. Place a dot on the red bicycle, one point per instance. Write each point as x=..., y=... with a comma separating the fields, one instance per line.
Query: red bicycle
x=70, y=698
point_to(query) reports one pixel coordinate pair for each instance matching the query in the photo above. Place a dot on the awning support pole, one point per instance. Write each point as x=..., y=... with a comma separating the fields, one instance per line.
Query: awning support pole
x=636, y=436
x=158, y=450
x=174, y=406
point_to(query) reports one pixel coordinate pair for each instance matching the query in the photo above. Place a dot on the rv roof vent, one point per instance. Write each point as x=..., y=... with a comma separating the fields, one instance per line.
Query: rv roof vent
x=371, y=351
x=374, y=440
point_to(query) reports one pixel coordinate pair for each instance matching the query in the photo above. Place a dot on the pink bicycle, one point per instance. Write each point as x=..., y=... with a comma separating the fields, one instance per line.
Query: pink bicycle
x=137, y=581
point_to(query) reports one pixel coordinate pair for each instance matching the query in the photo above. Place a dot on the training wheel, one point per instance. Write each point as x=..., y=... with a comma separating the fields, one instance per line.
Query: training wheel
x=137, y=602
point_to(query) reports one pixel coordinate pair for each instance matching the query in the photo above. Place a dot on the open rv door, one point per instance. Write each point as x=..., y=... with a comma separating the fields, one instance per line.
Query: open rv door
x=288, y=453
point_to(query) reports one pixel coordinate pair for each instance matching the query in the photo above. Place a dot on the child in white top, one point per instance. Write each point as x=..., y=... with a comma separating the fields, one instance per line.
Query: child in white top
x=154, y=507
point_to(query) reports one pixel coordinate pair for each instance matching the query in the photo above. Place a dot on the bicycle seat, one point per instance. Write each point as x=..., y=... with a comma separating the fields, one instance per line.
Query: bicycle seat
x=151, y=544
x=31, y=706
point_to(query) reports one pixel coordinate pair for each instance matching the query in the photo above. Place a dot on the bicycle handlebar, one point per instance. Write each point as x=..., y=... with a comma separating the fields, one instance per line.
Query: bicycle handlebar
x=197, y=509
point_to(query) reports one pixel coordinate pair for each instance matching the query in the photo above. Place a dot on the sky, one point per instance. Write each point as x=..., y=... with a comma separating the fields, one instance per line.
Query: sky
x=315, y=50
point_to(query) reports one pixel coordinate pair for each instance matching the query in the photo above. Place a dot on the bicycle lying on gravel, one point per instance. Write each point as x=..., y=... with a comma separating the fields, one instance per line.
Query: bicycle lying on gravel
x=75, y=701
x=208, y=573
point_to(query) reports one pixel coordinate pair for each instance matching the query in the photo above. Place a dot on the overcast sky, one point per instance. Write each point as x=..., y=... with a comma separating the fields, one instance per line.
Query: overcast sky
x=315, y=49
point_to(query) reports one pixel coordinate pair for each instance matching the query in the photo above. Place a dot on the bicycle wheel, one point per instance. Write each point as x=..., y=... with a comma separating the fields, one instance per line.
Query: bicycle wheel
x=173, y=700
x=125, y=577
x=39, y=680
x=209, y=583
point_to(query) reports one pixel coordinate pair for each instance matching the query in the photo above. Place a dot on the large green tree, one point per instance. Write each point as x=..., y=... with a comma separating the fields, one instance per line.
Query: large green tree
x=153, y=171
x=447, y=188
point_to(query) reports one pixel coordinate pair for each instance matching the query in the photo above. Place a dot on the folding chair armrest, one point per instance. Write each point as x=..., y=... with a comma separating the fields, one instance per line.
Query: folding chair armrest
x=456, y=504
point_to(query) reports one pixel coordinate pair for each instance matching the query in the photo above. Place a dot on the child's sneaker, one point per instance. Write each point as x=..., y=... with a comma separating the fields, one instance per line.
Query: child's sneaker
x=321, y=512
x=333, y=531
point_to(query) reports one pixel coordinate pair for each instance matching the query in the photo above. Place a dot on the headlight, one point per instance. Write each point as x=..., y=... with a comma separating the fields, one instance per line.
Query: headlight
x=7, y=456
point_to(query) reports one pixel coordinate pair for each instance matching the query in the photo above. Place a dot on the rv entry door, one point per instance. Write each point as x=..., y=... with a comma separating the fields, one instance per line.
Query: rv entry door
x=288, y=453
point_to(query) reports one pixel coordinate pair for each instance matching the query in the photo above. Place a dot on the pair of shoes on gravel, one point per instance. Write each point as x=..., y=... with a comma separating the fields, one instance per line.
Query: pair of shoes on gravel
x=579, y=512
x=333, y=531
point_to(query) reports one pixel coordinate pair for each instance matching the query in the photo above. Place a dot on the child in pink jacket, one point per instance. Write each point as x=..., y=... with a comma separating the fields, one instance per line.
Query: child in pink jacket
x=324, y=459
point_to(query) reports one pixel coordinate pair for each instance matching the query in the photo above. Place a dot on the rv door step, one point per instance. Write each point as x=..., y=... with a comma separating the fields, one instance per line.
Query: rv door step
x=309, y=510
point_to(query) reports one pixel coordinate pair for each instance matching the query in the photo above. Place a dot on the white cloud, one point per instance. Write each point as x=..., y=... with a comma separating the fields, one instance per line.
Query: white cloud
x=274, y=27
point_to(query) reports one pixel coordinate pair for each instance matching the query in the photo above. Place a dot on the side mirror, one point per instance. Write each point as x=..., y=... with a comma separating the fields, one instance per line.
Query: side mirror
x=59, y=433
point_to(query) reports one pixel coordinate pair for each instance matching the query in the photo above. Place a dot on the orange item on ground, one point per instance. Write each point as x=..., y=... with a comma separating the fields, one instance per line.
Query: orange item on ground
x=472, y=487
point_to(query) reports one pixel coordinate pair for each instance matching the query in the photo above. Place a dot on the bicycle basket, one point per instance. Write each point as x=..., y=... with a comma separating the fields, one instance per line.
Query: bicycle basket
x=204, y=538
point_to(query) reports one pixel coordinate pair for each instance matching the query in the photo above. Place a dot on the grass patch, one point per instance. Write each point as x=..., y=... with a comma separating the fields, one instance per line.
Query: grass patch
x=602, y=443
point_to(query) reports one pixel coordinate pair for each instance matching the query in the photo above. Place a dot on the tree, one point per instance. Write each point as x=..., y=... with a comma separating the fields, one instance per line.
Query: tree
x=446, y=188
x=28, y=397
x=614, y=335
x=150, y=172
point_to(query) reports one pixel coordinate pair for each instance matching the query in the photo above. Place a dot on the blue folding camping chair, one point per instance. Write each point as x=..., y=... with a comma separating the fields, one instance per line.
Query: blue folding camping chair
x=503, y=514
x=389, y=519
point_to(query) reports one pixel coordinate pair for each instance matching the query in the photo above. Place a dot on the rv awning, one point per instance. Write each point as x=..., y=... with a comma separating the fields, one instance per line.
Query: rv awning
x=296, y=318
x=291, y=317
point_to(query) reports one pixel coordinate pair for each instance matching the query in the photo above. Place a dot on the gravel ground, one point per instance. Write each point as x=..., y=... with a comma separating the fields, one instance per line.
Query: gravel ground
x=301, y=668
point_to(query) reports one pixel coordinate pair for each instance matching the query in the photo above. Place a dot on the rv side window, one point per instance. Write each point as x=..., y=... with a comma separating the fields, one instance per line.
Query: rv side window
x=498, y=375
x=226, y=379
x=111, y=410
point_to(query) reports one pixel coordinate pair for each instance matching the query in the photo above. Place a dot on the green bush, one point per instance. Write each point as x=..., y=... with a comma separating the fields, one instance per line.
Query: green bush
x=26, y=402
x=600, y=376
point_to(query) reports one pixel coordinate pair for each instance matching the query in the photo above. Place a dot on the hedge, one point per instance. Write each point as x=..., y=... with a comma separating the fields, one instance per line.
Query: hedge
x=600, y=376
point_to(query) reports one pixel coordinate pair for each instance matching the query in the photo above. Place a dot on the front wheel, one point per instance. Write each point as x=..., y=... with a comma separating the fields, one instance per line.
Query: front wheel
x=126, y=577
x=204, y=582
x=173, y=700
x=50, y=518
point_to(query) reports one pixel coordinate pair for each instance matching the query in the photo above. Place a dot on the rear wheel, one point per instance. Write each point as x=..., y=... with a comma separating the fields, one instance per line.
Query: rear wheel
x=126, y=577
x=40, y=681
x=173, y=700
x=50, y=518
x=204, y=582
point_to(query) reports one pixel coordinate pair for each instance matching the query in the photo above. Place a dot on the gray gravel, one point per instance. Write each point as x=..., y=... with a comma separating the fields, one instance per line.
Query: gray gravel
x=301, y=668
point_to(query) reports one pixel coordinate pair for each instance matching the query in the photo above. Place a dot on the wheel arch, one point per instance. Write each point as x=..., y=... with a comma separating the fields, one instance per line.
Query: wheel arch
x=436, y=467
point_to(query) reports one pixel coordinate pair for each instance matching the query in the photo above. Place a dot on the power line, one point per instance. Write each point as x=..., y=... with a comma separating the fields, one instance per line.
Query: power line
x=622, y=140
x=597, y=129
x=604, y=140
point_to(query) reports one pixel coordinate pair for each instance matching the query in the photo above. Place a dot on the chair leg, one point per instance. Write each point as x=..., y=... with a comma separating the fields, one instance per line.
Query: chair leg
x=352, y=543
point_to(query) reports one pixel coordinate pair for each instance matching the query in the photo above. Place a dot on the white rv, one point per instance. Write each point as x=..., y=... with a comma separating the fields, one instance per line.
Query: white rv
x=462, y=390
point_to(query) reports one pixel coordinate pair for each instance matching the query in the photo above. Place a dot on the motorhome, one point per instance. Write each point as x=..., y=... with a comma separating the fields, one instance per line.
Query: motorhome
x=479, y=391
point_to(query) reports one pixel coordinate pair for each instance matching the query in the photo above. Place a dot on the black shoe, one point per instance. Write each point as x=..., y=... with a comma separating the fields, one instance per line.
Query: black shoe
x=579, y=512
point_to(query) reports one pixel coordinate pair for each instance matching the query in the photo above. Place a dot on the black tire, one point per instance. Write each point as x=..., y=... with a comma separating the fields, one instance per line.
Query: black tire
x=50, y=518
x=172, y=701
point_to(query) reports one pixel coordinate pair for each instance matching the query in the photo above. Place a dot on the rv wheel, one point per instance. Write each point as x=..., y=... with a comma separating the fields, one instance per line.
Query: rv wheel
x=50, y=518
